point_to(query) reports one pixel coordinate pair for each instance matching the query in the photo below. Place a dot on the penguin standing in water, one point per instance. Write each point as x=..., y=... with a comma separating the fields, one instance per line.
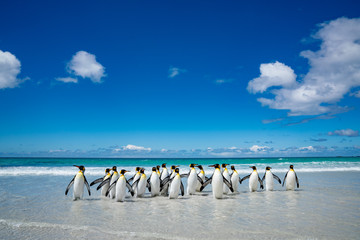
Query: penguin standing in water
x=154, y=183
x=120, y=184
x=175, y=186
x=193, y=179
x=291, y=178
x=269, y=179
x=226, y=175
x=140, y=184
x=110, y=180
x=78, y=180
x=99, y=180
x=235, y=179
x=201, y=175
x=164, y=174
x=217, y=181
x=253, y=180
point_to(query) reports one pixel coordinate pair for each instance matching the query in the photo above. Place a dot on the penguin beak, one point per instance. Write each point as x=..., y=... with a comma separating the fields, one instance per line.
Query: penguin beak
x=76, y=166
x=211, y=165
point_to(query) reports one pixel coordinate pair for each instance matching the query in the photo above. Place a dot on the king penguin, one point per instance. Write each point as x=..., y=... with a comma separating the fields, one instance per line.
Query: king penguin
x=78, y=180
x=269, y=179
x=154, y=183
x=164, y=174
x=140, y=184
x=235, y=179
x=217, y=181
x=158, y=170
x=253, y=180
x=201, y=175
x=175, y=186
x=105, y=187
x=291, y=178
x=121, y=184
x=192, y=180
x=114, y=177
x=226, y=175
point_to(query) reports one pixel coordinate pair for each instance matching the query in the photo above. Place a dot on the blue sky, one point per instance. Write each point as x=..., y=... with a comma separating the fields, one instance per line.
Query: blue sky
x=179, y=78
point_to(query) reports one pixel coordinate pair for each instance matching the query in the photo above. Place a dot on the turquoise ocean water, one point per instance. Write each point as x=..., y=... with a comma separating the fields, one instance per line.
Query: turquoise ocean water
x=96, y=166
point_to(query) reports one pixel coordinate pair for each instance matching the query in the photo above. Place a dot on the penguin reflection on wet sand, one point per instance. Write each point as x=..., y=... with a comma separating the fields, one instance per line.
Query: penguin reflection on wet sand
x=78, y=181
x=253, y=180
x=269, y=179
x=290, y=179
x=217, y=181
x=105, y=187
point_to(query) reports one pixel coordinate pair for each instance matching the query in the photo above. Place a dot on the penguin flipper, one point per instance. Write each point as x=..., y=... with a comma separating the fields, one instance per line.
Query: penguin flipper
x=164, y=182
x=228, y=184
x=103, y=183
x=110, y=187
x=207, y=182
x=128, y=185
x=264, y=177
x=69, y=186
x=87, y=185
x=148, y=185
x=134, y=185
x=284, y=178
x=132, y=178
x=246, y=177
x=200, y=180
x=206, y=178
x=99, y=180
x=184, y=175
x=182, y=188
x=277, y=178
x=297, y=181
x=261, y=183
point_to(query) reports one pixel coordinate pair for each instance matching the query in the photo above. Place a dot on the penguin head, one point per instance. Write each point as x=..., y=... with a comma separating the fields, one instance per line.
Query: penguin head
x=224, y=165
x=114, y=168
x=107, y=170
x=137, y=169
x=200, y=167
x=267, y=168
x=192, y=165
x=173, y=167
x=142, y=170
x=233, y=167
x=291, y=166
x=253, y=167
x=177, y=170
x=215, y=166
x=154, y=169
x=123, y=171
x=81, y=168
x=158, y=167
x=163, y=165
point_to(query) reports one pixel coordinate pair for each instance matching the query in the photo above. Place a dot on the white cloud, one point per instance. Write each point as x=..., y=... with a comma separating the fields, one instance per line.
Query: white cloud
x=222, y=81
x=334, y=71
x=256, y=148
x=174, y=71
x=344, y=132
x=10, y=67
x=309, y=148
x=84, y=64
x=67, y=80
x=272, y=74
x=135, y=148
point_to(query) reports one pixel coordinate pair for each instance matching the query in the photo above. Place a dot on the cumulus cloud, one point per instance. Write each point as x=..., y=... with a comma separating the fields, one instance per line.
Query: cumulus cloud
x=256, y=148
x=272, y=74
x=67, y=80
x=344, y=132
x=10, y=67
x=174, y=71
x=334, y=72
x=135, y=148
x=84, y=64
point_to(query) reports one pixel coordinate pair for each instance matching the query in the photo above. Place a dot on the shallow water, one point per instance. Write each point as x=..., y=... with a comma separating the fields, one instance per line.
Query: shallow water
x=325, y=207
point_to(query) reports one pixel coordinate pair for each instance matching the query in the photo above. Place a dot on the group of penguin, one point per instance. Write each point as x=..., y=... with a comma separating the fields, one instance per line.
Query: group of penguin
x=168, y=183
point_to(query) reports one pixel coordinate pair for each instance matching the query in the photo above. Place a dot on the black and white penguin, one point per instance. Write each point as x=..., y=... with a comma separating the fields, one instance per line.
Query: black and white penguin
x=253, y=180
x=290, y=179
x=78, y=180
x=269, y=179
